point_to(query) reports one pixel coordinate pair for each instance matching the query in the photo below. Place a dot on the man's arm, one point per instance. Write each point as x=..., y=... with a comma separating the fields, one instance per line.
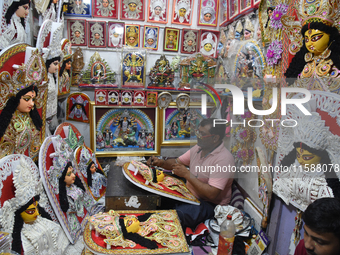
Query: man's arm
x=166, y=164
x=204, y=190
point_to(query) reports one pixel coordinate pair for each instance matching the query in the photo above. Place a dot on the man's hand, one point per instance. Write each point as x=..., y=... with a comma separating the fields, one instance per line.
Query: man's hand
x=181, y=171
x=154, y=161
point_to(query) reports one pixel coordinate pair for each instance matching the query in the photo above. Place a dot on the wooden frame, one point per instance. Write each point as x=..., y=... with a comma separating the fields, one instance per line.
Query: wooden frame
x=245, y=5
x=132, y=10
x=115, y=30
x=182, y=12
x=158, y=11
x=77, y=38
x=151, y=33
x=104, y=119
x=171, y=39
x=105, y=9
x=82, y=10
x=96, y=34
x=208, y=13
x=168, y=117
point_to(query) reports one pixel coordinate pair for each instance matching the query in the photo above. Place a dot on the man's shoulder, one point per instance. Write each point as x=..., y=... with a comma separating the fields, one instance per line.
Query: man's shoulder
x=300, y=248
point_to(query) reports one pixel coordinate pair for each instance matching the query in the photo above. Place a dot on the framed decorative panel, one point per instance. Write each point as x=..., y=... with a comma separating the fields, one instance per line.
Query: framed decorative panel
x=115, y=34
x=245, y=5
x=182, y=12
x=158, y=11
x=150, y=40
x=132, y=10
x=223, y=12
x=105, y=8
x=189, y=41
x=96, y=34
x=208, y=13
x=208, y=42
x=178, y=127
x=233, y=9
x=101, y=96
x=77, y=107
x=171, y=39
x=81, y=8
x=133, y=69
x=76, y=29
x=124, y=130
x=132, y=33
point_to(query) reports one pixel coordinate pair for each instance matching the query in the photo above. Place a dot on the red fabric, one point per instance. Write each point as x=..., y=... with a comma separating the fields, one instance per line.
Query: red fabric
x=300, y=248
x=330, y=122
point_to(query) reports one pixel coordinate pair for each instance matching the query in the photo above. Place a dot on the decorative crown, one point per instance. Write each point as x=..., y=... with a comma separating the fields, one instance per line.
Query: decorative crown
x=312, y=131
x=231, y=33
x=156, y=3
x=325, y=11
x=86, y=157
x=32, y=73
x=151, y=34
x=248, y=25
x=131, y=31
x=183, y=4
x=239, y=27
x=53, y=50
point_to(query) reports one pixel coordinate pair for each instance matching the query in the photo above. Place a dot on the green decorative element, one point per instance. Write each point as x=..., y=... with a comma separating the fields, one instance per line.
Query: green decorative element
x=98, y=72
x=311, y=9
x=72, y=140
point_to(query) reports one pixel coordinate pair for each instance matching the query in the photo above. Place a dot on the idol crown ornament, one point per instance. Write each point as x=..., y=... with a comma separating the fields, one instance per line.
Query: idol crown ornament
x=325, y=11
x=32, y=73
x=86, y=157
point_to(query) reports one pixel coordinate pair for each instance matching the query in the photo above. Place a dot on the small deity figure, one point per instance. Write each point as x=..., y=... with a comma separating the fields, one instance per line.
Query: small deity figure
x=198, y=67
x=129, y=230
x=132, y=9
x=78, y=108
x=182, y=11
x=13, y=22
x=208, y=13
x=95, y=179
x=116, y=35
x=133, y=70
x=108, y=137
x=132, y=36
x=184, y=124
x=171, y=41
x=190, y=41
x=161, y=75
x=174, y=129
x=157, y=10
x=97, y=35
x=151, y=38
x=100, y=143
x=105, y=7
x=78, y=7
x=208, y=45
x=65, y=69
x=124, y=122
x=150, y=140
x=77, y=34
x=141, y=138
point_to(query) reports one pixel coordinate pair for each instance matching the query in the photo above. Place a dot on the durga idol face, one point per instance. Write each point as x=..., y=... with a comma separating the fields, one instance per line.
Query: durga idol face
x=316, y=41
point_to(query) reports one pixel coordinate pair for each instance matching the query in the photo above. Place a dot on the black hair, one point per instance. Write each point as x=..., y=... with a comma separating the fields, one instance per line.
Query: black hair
x=219, y=129
x=49, y=62
x=49, y=5
x=11, y=106
x=298, y=62
x=268, y=9
x=13, y=8
x=322, y=216
x=331, y=178
x=62, y=68
x=62, y=188
x=136, y=237
x=19, y=223
x=89, y=174
x=154, y=174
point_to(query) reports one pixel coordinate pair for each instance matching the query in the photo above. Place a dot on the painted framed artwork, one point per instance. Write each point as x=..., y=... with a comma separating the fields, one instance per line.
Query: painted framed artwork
x=171, y=39
x=132, y=33
x=150, y=40
x=158, y=11
x=208, y=13
x=105, y=9
x=101, y=96
x=233, y=9
x=133, y=67
x=223, y=12
x=178, y=127
x=76, y=29
x=190, y=41
x=182, y=12
x=245, y=5
x=77, y=107
x=115, y=34
x=96, y=34
x=124, y=131
x=208, y=42
x=80, y=8
x=132, y=10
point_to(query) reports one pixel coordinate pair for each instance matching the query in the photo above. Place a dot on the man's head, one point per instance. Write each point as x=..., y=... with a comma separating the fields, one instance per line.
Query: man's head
x=322, y=227
x=209, y=136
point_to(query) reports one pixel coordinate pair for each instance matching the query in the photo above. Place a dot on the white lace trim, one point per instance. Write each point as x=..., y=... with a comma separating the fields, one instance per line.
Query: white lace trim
x=15, y=33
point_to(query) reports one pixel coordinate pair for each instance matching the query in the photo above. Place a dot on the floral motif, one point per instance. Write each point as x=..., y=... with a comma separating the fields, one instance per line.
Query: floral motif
x=274, y=52
x=275, y=20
